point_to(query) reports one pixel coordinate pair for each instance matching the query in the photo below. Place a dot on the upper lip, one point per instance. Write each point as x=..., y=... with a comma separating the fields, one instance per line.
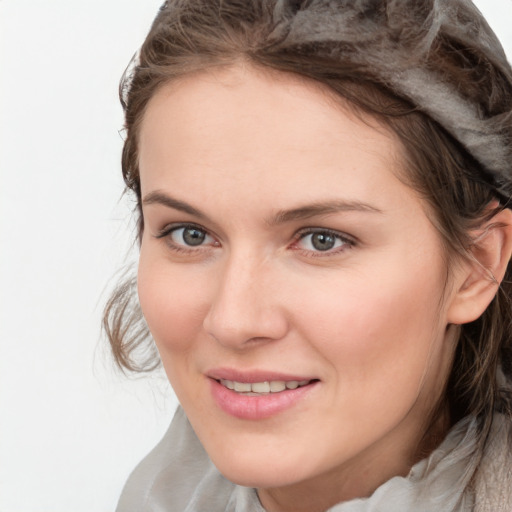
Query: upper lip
x=255, y=375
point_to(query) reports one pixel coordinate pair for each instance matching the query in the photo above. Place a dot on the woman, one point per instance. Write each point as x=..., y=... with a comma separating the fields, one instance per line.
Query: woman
x=323, y=191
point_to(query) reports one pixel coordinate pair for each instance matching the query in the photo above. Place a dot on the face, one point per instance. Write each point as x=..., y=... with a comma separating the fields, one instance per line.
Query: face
x=292, y=283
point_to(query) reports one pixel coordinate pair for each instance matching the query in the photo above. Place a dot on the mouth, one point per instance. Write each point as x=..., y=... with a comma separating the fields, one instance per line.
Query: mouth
x=264, y=387
x=256, y=395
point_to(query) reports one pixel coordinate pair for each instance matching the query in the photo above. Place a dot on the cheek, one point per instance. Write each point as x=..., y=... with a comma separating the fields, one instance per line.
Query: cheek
x=378, y=335
x=171, y=302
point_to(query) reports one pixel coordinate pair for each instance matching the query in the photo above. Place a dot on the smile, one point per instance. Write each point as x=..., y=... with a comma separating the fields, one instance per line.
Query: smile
x=262, y=388
x=258, y=395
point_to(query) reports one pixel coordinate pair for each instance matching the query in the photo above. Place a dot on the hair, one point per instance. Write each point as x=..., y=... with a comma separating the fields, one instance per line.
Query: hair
x=451, y=170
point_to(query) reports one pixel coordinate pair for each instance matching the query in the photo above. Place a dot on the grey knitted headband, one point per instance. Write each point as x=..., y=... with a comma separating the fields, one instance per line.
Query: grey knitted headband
x=393, y=39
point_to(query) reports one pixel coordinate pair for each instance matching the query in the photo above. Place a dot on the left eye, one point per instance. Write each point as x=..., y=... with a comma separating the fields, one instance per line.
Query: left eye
x=190, y=236
x=321, y=241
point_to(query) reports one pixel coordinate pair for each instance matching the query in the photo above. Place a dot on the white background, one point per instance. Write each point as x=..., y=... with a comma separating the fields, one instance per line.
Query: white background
x=71, y=428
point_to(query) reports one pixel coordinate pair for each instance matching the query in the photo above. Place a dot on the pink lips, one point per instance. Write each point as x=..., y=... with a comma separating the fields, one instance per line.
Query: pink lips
x=256, y=407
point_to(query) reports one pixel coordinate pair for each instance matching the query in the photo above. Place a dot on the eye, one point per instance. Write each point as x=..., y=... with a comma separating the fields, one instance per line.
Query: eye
x=322, y=240
x=186, y=236
x=190, y=236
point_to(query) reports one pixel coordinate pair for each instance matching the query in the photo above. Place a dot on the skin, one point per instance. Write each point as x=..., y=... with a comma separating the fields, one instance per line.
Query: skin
x=369, y=318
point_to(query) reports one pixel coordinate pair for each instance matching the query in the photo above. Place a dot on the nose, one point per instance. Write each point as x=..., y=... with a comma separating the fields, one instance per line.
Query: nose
x=246, y=305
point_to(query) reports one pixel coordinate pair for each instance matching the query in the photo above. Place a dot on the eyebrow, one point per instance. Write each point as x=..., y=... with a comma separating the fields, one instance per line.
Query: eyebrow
x=319, y=209
x=158, y=197
x=280, y=217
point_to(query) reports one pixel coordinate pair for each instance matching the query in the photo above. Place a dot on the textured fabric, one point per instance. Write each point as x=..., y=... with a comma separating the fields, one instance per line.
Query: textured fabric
x=493, y=484
x=178, y=476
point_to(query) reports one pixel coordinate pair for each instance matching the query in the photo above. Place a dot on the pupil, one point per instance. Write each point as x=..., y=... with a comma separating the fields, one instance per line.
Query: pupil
x=193, y=236
x=323, y=241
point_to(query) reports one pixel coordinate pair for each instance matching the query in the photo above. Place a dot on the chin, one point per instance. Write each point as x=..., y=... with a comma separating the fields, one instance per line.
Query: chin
x=261, y=477
x=261, y=470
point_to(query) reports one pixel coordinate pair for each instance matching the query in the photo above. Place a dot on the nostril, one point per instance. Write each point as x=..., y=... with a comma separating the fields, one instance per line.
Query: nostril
x=239, y=328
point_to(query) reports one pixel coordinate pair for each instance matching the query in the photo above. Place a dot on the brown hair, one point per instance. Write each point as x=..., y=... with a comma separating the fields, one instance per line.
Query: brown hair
x=193, y=35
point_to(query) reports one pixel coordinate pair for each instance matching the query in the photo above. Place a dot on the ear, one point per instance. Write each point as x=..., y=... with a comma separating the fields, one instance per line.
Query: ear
x=478, y=279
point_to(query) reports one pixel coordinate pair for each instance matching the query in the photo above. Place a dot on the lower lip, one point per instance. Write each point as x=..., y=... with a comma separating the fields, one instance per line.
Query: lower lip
x=257, y=407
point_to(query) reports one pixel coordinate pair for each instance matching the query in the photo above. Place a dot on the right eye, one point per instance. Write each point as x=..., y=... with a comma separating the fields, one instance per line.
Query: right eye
x=186, y=236
x=189, y=236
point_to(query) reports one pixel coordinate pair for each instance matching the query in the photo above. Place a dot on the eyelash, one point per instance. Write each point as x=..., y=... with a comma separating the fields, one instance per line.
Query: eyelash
x=167, y=231
x=346, y=242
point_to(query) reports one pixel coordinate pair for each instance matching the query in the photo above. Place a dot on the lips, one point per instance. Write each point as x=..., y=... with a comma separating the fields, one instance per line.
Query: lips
x=257, y=395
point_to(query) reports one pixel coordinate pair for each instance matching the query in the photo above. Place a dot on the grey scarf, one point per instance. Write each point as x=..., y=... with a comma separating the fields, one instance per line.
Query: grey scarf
x=178, y=476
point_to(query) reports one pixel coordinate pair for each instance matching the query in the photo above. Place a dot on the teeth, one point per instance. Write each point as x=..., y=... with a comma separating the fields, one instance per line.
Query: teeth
x=260, y=387
x=274, y=386
x=242, y=387
x=277, y=385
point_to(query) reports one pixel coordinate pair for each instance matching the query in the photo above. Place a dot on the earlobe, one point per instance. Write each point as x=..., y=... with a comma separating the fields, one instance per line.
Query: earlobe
x=480, y=276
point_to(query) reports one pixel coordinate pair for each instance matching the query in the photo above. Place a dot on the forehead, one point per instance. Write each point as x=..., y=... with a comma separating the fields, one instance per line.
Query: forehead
x=256, y=132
